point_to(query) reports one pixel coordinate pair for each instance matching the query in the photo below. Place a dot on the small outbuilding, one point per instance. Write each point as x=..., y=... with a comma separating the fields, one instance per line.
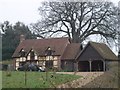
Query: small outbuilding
x=95, y=57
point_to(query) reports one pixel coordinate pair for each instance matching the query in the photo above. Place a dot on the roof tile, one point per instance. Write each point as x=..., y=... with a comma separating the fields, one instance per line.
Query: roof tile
x=40, y=45
x=104, y=51
x=71, y=51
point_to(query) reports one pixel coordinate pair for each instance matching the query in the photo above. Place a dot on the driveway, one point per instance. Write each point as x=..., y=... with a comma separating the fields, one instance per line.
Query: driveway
x=85, y=79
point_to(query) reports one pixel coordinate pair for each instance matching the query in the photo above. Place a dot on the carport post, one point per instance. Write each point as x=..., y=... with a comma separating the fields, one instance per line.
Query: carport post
x=90, y=65
x=76, y=66
x=104, y=65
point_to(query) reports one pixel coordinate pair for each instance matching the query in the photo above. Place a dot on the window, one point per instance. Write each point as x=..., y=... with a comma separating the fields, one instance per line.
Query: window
x=49, y=51
x=32, y=55
x=22, y=53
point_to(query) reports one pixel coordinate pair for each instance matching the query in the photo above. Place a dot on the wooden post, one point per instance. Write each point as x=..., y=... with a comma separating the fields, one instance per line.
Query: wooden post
x=104, y=65
x=77, y=66
x=46, y=74
x=25, y=78
x=90, y=65
x=25, y=74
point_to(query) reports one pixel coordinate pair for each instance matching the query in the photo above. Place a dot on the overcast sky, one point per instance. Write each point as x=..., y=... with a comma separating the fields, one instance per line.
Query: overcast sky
x=25, y=11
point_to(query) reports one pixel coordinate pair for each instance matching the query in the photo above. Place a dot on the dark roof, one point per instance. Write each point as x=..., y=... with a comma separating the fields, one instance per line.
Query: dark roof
x=102, y=49
x=40, y=45
x=71, y=51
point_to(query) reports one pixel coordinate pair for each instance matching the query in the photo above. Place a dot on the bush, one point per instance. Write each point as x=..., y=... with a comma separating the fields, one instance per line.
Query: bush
x=4, y=67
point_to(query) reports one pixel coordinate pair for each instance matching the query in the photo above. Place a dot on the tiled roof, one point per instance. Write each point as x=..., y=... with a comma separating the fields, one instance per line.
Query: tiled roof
x=104, y=51
x=40, y=45
x=71, y=51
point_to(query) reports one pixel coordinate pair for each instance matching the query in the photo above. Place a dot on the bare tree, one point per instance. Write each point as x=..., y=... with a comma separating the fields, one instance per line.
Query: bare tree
x=77, y=20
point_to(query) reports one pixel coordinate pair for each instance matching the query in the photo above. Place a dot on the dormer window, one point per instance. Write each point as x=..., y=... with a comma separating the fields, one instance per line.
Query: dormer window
x=49, y=51
x=32, y=55
x=22, y=53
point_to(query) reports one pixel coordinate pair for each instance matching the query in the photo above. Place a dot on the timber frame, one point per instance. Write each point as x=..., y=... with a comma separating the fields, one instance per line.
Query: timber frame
x=61, y=54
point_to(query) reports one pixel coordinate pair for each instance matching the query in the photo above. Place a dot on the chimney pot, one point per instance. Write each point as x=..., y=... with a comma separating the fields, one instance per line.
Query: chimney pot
x=22, y=38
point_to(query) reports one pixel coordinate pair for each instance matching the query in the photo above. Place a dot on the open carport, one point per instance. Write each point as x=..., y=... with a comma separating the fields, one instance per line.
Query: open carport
x=97, y=65
x=86, y=66
x=94, y=57
x=83, y=66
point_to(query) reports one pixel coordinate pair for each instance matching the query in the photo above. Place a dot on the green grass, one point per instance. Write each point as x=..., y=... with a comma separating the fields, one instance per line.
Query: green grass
x=34, y=79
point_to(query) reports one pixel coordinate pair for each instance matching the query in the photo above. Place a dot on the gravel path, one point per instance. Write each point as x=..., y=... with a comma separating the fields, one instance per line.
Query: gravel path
x=86, y=78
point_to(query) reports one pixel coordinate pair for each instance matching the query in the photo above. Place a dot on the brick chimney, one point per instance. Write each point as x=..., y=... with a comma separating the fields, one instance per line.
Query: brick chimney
x=22, y=38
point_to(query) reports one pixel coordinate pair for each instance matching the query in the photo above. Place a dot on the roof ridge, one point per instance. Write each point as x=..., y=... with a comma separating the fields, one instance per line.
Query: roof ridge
x=74, y=43
x=96, y=42
x=49, y=38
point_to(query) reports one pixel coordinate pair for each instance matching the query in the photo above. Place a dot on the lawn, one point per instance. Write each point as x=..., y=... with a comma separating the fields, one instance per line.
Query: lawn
x=35, y=79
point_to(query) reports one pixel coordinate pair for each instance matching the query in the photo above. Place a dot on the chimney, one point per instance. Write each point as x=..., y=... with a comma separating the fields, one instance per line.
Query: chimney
x=22, y=38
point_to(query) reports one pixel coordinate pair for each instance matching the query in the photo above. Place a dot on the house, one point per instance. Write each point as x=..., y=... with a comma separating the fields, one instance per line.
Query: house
x=63, y=55
x=95, y=57
x=55, y=52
